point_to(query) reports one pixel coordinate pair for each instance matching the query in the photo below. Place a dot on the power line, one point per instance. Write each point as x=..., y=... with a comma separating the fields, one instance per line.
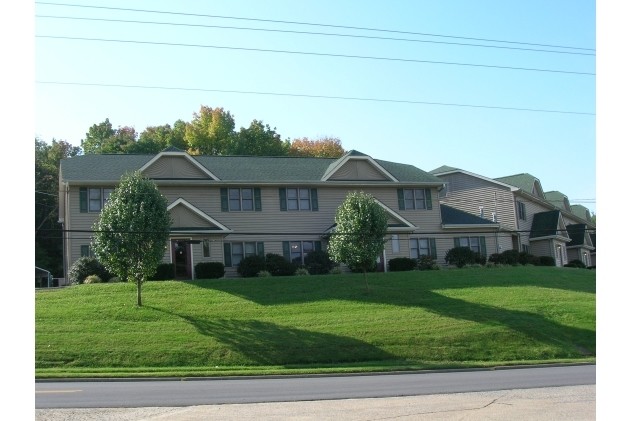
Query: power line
x=311, y=53
x=400, y=101
x=313, y=24
x=315, y=33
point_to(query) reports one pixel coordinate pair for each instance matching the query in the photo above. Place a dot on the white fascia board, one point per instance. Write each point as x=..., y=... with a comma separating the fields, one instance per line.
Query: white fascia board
x=398, y=217
x=340, y=163
x=194, y=209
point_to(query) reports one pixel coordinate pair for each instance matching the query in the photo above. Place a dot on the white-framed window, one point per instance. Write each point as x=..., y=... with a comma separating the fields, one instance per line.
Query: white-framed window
x=476, y=244
x=414, y=198
x=525, y=248
x=395, y=243
x=521, y=210
x=206, y=247
x=420, y=247
x=241, y=199
x=296, y=251
x=86, y=251
x=298, y=199
x=236, y=251
x=93, y=199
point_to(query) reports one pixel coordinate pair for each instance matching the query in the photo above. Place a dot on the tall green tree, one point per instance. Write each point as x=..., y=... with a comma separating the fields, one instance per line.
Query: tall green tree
x=157, y=138
x=210, y=132
x=103, y=138
x=359, y=236
x=48, y=233
x=259, y=139
x=131, y=234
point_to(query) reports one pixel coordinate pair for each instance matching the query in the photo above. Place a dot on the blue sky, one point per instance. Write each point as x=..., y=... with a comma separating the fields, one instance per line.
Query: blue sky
x=557, y=148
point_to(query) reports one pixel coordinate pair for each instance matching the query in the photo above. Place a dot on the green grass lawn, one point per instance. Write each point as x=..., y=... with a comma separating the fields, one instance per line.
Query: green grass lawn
x=313, y=324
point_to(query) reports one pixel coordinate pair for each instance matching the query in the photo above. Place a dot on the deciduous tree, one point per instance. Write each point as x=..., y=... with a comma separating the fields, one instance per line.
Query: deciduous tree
x=210, y=132
x=359, y=236
x=259, y=139
x=325, y=147
x=131, y=234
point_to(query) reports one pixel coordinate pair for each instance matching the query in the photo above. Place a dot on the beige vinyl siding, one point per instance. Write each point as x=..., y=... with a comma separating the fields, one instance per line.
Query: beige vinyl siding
x=531, y=209
x=174, y=167
x=468, y=193
x=358, y=170
x=542, y=248
x=185, y=218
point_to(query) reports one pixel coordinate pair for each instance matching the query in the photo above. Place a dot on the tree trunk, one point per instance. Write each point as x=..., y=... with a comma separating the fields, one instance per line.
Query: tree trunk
x=138, y=286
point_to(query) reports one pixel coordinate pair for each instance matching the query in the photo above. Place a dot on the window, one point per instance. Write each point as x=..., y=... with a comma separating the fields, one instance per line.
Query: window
x=298, y=199
x=525, y=248
x=481, y=211
x=476, y=244
x=444, y=192
x=414, y=199
x=240, y=199
x=422, y=247
x=521, y=209
x=206, y=247
x=395, y=243
x=93, y=199
x=86, y=251
x=237, y=251
x=296, y=251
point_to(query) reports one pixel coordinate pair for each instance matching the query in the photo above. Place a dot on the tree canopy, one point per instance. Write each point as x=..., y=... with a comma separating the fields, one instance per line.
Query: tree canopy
x=131, y=234
x=359, y=236
x=326, y=147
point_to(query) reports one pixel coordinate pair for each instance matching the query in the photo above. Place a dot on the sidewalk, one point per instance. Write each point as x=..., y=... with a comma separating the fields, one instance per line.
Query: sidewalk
x=575, y=403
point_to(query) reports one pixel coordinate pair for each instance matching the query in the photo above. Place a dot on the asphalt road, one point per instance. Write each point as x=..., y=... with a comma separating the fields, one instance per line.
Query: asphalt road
x=215, y=391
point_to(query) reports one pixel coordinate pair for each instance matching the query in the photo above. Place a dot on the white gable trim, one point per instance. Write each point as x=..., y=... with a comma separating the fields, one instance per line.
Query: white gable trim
x=180, y=201
x=481, y=177
x=408, y=224
x=340, y=163
x=183, y=154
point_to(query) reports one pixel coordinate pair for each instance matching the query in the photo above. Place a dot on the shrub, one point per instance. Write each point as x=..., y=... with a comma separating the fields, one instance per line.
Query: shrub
x=278, y=266
x=495, y=259
x=336, y=270
x=264, y=274
x=461, y=256
x=164, y=271
x=301, y=272
x=509, y=257
x=546, y=261
x=92, y=279
x=318, y=262
x=426, y=263
x=575, y=264
x=114, y=279
x=401, y=264
x=250, y=266
x=209, y=270
x=84, y=267
x=525, y=258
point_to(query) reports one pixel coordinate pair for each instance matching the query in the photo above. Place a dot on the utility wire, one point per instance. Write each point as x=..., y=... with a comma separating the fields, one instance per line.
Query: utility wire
x=315, y=33
x=312, y=24
x=311, y=53
x=401, y=101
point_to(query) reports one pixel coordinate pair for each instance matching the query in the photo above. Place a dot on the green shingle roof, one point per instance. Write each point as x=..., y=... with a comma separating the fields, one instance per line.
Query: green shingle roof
x=580, y=211
x=545, y=224
x=110, y=167
x=443, y=168
x=522, y=181
x=576, y=232
x=453, y=216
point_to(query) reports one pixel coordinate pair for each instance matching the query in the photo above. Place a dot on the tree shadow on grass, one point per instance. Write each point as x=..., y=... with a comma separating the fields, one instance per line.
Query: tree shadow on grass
x=576, y=341
x=264, y=343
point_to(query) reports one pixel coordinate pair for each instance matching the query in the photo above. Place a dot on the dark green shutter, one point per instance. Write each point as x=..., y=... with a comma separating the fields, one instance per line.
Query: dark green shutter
x=428, y=198
x=257, y=199
x=401, y=199
x=260, y=249
x=483, y=246
x=314, y=199
x=456, y=242
x=317, y=245
x=224, y=199
x=432, y=248
x=83, y=199
x=282, y=193
x=286, y=254
x=227, y=255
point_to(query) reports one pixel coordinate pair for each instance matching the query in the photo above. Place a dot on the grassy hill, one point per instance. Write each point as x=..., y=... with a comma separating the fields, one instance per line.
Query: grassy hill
x=311, y=324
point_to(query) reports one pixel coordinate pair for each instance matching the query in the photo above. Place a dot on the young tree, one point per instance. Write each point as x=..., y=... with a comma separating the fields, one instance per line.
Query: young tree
x=131, y=234
x=259, y=140
x=359, y=237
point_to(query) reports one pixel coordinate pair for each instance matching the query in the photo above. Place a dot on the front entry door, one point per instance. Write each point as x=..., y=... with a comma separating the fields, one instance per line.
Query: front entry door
x=181, y=252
